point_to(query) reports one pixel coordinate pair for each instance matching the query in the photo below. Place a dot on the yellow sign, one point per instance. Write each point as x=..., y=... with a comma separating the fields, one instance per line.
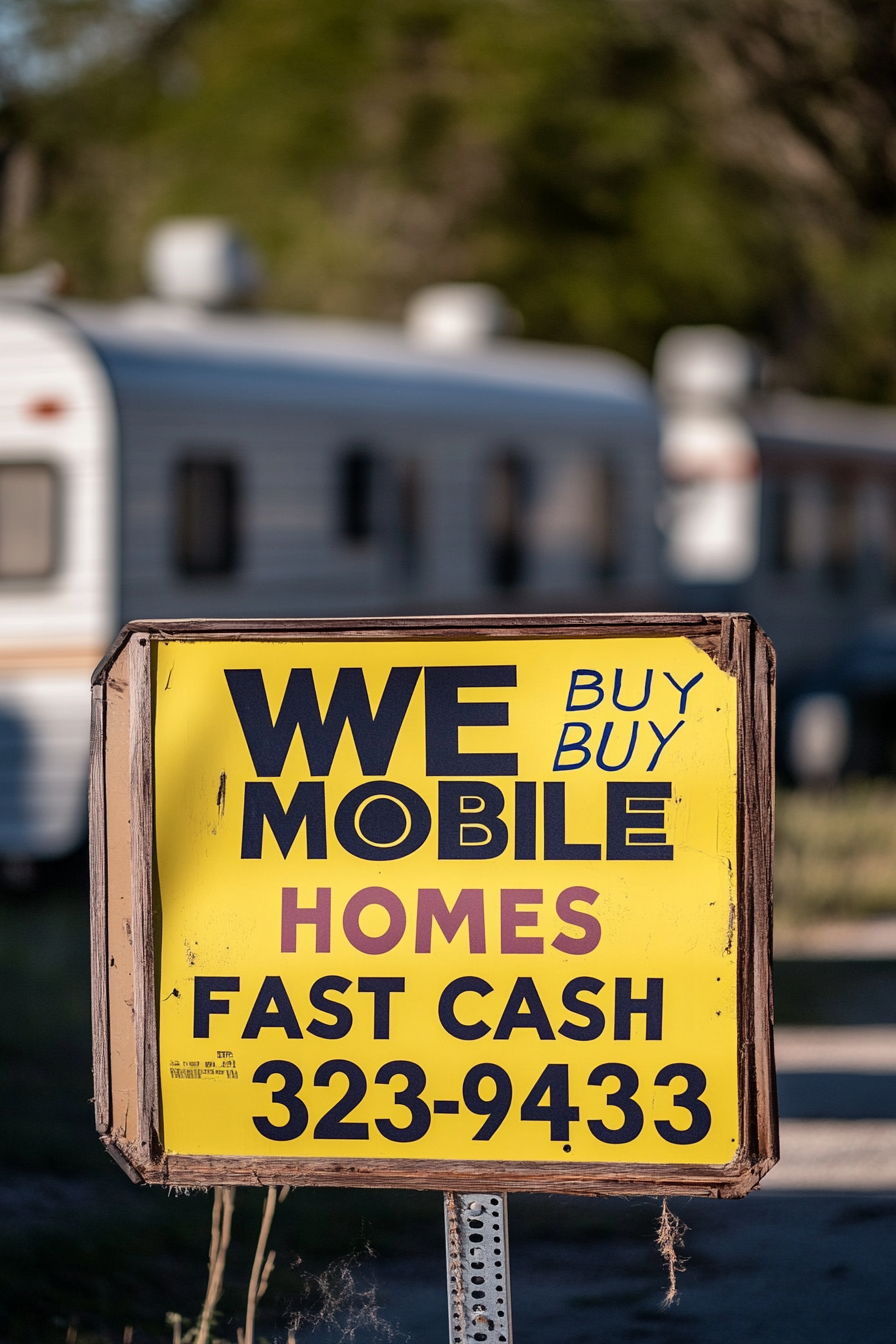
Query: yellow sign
x=447, y=899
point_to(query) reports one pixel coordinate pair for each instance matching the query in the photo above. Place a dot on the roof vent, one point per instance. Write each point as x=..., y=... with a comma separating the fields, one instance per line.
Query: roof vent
x=201, y=261
x=710, y=365
x=458, y=317
x=709, y=455
x=41, y=282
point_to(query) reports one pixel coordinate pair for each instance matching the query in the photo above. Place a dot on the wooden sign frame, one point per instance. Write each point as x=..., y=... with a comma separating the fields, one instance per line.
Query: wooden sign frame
x=124, y=985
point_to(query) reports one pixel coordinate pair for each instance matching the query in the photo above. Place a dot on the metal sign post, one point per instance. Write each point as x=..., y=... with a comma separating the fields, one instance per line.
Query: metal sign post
x=478, y=1269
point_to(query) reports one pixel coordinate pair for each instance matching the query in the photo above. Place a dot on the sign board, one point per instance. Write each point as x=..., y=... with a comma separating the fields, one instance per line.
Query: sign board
x=444, y=903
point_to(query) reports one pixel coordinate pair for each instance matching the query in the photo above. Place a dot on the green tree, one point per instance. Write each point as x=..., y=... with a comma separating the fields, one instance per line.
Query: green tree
x=803, y=93
x=616, y=166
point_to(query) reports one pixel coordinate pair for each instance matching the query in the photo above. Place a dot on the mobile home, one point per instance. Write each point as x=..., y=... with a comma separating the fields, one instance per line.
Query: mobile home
x=161, y=458
x=784, y=505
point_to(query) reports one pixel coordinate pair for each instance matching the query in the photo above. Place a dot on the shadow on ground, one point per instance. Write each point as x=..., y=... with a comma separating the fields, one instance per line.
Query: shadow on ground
x=83, y=1254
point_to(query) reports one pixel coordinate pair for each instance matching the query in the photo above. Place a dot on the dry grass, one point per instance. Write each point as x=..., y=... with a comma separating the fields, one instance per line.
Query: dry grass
x=336, y=1301
x=835, y=853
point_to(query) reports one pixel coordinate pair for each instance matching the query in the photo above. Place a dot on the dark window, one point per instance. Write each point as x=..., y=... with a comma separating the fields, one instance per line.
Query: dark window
x=605, y=530
x=508, y=498
x=844, y=539
x=887, y=541
x=356, y=505
x=815, y=525
x=206, y=517
x=781, y=499
x=29, y=520
x=801, y=524
x=409, y=516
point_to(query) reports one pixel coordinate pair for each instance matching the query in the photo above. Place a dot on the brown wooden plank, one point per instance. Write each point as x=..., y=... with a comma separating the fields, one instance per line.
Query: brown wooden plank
x=99, y=951
x=119, y=908
x=708, y=641
x=374, y=624
x=746, y=653
x=589, y=624
x=103, y=668
x=416, y=1174
x=758, y=848
x=142, y=889
x=759, y=844
x=741, y=666
x=119, y=1154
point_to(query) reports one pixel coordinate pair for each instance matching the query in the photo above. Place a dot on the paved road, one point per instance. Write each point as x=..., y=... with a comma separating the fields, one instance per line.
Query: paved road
x=772, y=1269
x=808, y=1259
x=837, y=1096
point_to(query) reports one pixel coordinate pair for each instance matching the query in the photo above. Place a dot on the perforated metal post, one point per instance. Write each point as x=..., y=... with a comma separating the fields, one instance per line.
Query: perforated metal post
x=478, y=1271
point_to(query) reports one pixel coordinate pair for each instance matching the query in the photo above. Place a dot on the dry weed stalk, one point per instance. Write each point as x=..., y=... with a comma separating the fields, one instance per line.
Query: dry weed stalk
x=261, y=1267
x=334, y=1298
x=670, y=1239
x=222, y=1217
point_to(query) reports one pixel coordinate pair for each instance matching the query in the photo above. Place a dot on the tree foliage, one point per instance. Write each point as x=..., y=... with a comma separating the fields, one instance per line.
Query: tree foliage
x=616, y=166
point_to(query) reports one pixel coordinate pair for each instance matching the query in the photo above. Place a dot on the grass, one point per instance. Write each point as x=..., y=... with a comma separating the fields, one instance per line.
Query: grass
x=835, y=852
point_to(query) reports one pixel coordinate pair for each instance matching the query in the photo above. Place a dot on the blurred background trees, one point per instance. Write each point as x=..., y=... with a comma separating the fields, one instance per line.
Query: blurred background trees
x=615, y=166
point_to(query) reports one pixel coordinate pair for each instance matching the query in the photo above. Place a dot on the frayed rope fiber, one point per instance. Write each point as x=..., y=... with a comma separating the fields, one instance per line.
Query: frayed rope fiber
x=670, y=1239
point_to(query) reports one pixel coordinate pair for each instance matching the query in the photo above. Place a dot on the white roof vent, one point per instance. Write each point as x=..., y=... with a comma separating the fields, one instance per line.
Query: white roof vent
x=201, y=261
x=458, y=317
x=41, y=282
x=704, y=364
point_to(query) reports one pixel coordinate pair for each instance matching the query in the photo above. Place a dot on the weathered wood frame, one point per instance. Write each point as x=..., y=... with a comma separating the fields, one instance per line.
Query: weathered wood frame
x=126, y=1072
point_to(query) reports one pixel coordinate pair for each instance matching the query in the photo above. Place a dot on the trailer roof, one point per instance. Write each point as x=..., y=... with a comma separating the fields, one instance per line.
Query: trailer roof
x=790, y=420
x=148, y=345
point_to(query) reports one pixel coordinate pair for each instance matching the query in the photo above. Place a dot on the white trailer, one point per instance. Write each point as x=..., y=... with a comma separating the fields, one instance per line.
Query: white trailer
x=58, y=563
x=163, y=459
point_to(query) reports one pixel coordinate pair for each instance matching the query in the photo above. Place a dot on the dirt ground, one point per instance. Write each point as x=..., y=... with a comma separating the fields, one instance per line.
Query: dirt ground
x=85, y=1257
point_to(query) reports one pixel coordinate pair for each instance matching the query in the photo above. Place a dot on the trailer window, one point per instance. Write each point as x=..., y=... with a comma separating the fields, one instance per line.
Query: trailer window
x=780, y=499
x=508, y=507
x=206, y=512
x=606, y=519
x=816, y=525
x=845, y=541
x=409, y=515
x=885, y=500
x=800, y=524
x=29, y=520
x=356, y=482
